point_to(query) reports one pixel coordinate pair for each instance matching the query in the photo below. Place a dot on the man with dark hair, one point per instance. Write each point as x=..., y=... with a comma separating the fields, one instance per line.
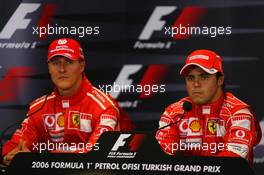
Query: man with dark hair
x=75, y=113
x=216, y=117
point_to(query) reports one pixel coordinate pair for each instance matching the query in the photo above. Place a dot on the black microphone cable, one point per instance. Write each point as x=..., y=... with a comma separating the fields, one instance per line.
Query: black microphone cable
x=187, y=106
x=18, y=122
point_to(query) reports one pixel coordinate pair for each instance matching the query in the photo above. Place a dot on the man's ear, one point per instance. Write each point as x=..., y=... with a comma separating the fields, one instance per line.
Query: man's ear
x=220, y=80
x=82, y=65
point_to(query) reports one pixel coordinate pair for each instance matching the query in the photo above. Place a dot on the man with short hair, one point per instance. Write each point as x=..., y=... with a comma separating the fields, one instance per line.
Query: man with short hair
x=216, y=117
x=75, y=113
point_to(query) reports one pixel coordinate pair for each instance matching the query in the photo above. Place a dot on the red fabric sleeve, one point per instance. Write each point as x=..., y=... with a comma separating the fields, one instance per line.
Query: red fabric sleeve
x=107, y=121
x=168, y=137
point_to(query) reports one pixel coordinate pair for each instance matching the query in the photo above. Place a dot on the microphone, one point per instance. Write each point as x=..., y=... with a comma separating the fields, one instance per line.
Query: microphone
x=187, y=106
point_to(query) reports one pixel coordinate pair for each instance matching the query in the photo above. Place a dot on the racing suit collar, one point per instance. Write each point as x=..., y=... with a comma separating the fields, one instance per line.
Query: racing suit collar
x=210, y=108
x=77, y=97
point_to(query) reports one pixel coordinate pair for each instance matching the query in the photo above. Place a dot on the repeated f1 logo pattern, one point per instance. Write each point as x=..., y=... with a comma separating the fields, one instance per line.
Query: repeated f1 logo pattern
x=123, y=77
x=189, y=15
x=155, y=23
x=18, y=19
x=154, y=75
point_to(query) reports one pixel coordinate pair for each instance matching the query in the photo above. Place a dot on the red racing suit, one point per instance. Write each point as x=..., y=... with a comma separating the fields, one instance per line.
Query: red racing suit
x=81, y=118
x=226, y=127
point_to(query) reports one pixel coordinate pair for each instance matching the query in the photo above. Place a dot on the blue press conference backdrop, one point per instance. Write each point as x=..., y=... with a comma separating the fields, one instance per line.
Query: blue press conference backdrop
x=132, y=43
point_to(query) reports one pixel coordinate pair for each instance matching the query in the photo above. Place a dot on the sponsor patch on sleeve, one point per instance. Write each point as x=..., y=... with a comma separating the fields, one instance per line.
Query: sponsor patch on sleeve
x=85, y=122
x=108, y=120
x=240, y=135
x=242, y=121
x=240, y=149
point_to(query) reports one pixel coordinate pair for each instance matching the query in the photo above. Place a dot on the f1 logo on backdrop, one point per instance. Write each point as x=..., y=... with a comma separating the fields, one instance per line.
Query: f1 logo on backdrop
x=156, y=23
x=148, y=84
x=123, y=79
x=18, y=20
x=123, y=83
x=11, y=83
x=126, y=146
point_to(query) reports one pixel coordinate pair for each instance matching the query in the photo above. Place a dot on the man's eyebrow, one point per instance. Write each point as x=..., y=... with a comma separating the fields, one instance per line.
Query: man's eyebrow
x=189, y=75
x=204, y=73
x=52, y=61
x=200, y=74
x=69, y=61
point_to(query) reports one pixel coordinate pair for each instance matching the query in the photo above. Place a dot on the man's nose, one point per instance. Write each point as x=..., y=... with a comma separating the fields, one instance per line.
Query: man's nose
x=62, y=67
x=197, y=82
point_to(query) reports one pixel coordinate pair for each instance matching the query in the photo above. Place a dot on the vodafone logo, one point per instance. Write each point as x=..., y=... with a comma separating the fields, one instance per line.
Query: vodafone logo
x=240, y=134
x=183, y=126
x=62, y=41
x=102, y=130
x=49, y=121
